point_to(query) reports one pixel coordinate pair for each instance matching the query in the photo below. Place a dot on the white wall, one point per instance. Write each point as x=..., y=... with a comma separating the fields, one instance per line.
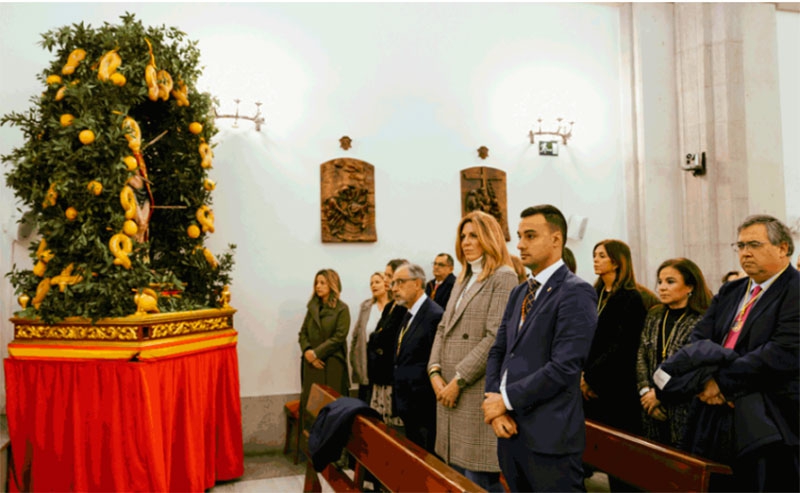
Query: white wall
x=418, y=87
x=788, y=27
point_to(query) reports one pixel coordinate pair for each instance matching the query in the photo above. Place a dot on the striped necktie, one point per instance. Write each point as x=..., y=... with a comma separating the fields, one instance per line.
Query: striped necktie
x=738, y=322
x=527, y=304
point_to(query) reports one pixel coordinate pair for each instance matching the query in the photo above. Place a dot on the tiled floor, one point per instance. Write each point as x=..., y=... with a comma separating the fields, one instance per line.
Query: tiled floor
x=275, y=472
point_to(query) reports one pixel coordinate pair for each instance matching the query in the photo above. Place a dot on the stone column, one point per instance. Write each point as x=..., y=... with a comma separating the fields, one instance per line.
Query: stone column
x=729, y=108
x=649, y=136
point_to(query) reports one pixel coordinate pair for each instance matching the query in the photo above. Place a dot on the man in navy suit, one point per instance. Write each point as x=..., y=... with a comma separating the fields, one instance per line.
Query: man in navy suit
x=412, y=392
x=533, y=398
x=440, y=287
x=759, y=318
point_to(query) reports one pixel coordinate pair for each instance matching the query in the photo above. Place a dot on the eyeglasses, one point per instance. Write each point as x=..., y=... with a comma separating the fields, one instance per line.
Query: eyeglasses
x=440, y=264
x=740, y=246
x=398, y=282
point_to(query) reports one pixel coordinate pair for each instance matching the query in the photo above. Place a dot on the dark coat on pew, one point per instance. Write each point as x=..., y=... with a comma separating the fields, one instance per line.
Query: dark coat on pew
x=331, y=430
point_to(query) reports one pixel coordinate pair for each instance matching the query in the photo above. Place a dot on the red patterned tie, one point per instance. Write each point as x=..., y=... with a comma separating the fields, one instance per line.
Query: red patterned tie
x=433, y=291
x=527, y=303
x=738, y=323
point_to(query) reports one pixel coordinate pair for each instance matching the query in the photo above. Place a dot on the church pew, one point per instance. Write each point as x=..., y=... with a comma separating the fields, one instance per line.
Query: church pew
x=646, y=464
x=396, y=462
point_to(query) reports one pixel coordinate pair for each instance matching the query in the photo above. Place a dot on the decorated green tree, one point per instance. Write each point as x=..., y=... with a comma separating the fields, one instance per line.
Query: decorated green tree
x=114, y=169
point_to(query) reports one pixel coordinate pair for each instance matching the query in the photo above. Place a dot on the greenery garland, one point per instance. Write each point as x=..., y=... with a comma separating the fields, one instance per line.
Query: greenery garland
x=81, y=161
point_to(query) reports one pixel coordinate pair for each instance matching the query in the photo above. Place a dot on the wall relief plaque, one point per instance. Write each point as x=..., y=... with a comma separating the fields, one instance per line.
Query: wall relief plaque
x=347, y=201
x=484, y=189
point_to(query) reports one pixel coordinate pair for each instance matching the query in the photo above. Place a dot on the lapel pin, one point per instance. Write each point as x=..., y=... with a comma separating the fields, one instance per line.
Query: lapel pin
x=549, y=289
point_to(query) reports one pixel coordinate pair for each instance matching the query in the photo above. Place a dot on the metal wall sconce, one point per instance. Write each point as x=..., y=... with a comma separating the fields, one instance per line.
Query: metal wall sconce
x=257, y=118
x=696, y=164
x=563, y=130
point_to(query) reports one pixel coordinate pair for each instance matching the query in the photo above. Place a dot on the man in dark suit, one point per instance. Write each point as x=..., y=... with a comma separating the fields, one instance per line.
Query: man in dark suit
x=533, y=398
x=759, y=318
x=412, y=392
x=439, y=288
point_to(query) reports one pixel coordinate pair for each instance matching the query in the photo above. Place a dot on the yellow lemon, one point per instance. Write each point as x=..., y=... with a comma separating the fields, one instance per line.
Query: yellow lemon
x=53, y=79
x=71, y=213
x=86, y=137
x=130, y=228
x=130, y=163
x=195, y=128
x=193, y=231
x=95, y=187
x=209, y=185
x=67, y=119
x=60, y=93
x=118, y=79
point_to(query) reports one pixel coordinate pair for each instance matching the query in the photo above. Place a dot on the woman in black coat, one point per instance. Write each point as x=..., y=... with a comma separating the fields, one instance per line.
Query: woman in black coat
x=609, y=378
x=381, y=347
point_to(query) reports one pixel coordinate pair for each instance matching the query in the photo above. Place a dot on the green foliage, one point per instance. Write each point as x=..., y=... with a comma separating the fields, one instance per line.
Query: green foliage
x=53, y=154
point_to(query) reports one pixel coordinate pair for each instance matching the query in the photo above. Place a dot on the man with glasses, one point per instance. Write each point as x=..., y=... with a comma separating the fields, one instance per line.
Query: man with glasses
x=439, y=288
x=758, y=317
x=413, y=394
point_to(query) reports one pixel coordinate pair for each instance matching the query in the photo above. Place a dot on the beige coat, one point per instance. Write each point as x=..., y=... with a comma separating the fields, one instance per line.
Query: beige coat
x=462, y=344
x=358, y=346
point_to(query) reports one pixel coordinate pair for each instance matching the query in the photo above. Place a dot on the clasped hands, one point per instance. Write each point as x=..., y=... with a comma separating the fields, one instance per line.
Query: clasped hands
x=652, y=406
x=496, y=414
x=446, y=393
x=312, y=359
x=712, y=395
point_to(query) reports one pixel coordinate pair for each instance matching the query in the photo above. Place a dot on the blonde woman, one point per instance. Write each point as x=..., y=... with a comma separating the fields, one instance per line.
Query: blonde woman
x=457, y=365
x=323, y=335
x=368, y=316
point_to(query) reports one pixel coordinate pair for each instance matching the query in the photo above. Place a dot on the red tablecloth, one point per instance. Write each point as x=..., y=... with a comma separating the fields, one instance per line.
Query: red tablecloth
x=172, y=424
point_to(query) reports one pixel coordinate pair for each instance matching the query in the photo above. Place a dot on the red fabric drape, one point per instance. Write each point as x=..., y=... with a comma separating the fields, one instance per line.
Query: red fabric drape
x=166, y=425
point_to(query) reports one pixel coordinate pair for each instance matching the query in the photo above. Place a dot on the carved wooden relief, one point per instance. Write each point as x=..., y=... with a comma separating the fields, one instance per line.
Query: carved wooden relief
x=484, y=188
x=347, y=201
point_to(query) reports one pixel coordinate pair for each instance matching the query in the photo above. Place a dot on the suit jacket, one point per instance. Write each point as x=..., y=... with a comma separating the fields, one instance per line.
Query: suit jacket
x=462, y=344
x=543, y=361
x=382, y=344
x=412, y=387
x=444, y=290
x=768, y=348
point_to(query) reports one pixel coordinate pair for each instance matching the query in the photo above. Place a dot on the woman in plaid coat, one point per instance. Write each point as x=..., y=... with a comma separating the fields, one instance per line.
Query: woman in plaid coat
x=467, y=331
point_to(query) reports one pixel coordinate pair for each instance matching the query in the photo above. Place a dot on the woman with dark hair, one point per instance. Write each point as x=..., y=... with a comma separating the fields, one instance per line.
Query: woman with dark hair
x=608, y=383
x=381, y=347
x=368, y=316
x=466, y=333
x=322, y=337
x=684, y=299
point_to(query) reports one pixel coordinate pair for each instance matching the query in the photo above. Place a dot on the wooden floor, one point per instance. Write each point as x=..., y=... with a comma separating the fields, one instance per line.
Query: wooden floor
x=275, y=472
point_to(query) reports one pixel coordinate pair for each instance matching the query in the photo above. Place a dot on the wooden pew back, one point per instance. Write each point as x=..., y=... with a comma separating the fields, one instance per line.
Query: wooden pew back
x=397, y=463
x=647, y=464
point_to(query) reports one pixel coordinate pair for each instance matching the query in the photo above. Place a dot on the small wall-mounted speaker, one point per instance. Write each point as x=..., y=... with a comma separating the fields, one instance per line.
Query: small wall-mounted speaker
x=576, y=227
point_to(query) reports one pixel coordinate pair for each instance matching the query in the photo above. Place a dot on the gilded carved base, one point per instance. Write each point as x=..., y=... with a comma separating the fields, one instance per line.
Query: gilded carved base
x=133, y=328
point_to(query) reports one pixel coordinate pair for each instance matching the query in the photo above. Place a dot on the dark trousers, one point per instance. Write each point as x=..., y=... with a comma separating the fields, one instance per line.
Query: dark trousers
x=489, y=481
x=420, y=429
x=526, y=470
x=773, y=467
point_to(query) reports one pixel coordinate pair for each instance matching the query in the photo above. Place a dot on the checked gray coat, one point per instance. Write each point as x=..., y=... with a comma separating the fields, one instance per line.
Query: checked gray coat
x=462, y=344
